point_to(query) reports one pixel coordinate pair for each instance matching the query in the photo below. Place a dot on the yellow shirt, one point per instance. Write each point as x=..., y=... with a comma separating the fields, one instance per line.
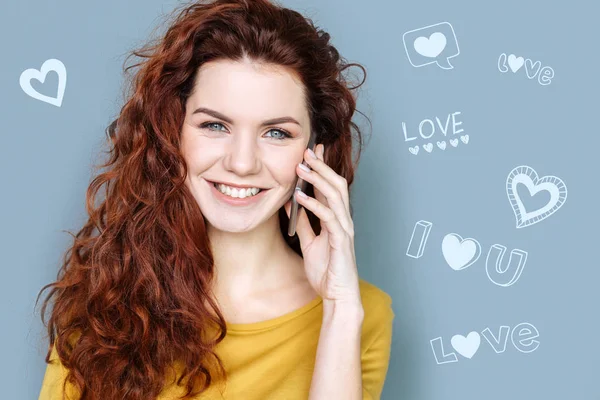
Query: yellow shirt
x=274, y=359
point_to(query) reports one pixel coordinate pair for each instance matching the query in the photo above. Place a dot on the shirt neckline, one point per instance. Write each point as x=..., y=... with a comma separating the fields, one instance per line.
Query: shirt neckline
x=274, y=321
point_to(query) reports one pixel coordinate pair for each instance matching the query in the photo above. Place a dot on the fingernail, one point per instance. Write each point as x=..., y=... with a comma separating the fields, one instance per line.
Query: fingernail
x=312, y=153
x=304, y=167
x=301, y=193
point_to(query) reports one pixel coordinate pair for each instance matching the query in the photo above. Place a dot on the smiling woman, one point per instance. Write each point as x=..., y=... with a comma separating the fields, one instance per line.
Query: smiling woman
x=183, y=282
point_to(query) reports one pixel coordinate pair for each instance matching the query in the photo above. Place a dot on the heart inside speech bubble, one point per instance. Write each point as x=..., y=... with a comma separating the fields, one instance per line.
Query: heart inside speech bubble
x=430, y=47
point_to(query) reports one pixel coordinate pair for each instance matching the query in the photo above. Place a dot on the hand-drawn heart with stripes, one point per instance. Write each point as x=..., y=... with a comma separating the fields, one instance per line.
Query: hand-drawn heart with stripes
x=527, y=176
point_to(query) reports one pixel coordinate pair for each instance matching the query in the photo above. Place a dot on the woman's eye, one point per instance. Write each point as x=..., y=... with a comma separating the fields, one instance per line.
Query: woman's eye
x=284, y=134
x=206, y=124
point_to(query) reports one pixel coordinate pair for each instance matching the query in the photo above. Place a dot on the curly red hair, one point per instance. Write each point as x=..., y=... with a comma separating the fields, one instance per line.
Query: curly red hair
x=133, y=296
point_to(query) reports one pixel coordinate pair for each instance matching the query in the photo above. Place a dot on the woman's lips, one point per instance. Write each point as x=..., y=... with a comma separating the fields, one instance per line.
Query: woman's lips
x=236, y=201
x=237, y=187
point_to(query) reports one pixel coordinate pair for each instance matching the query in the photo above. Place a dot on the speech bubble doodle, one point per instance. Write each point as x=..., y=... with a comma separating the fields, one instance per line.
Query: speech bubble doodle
x=432, y=44
x=32, y=73
x=527, y=176
x=460, y=253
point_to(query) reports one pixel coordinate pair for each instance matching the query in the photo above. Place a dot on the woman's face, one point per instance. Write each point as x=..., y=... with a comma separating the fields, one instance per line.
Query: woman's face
x=236, y=147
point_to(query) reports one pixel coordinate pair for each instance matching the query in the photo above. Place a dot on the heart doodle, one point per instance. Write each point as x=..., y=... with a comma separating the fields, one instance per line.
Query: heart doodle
x=414, y=150
x=515, y=63
x=454, y=142
x=428, y=147
x=465, y=139
x=527, y=176
x=466, y=346
x=460, y=253
x=32, y=73
x=432, y=46
x=442, y=145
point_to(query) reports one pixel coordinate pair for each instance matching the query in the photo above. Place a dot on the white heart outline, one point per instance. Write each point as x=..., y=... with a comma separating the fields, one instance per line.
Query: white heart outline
x=527, y=175
x=51, y=64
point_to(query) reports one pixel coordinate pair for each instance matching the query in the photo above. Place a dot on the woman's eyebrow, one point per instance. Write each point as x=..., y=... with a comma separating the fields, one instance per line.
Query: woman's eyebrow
x=217, y=114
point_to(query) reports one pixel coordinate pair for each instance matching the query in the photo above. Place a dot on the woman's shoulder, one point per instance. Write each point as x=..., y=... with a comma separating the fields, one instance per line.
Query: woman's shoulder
x=377, y=305
x=54, y=378
x=372, y=295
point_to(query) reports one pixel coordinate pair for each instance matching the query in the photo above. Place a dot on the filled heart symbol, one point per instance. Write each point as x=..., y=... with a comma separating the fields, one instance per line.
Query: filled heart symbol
x=466, y=346
x=32, y=73
x=515, y=63
x=527, y=176
x=432, y=46
x=414, y=150
x=458, y=252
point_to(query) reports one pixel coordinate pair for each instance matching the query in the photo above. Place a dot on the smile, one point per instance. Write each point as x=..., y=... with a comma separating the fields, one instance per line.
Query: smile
x=228, y=196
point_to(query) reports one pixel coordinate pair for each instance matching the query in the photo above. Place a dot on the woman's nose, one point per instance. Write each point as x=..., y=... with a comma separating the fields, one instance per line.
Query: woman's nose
x=243, y=156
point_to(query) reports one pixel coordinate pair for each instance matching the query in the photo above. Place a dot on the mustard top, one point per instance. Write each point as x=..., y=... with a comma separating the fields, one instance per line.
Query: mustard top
x=274, y=359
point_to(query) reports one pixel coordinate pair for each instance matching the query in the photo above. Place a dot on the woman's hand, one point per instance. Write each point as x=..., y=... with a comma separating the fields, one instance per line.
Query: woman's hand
x=329, y=259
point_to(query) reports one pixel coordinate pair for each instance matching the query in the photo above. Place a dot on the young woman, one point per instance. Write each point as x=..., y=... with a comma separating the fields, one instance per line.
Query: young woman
x=184, y=282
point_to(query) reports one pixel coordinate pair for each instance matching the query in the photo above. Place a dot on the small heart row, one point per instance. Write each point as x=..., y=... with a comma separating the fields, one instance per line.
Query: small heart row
x=428, y=147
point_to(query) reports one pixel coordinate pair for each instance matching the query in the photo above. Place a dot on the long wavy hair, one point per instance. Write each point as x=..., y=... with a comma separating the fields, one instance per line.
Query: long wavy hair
x=133, y=296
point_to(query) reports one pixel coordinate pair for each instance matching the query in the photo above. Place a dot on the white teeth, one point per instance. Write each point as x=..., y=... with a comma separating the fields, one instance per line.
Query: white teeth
x=236, y=193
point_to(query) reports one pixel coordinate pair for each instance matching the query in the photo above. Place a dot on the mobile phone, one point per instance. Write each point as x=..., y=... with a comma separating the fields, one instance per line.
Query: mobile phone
x=300, y=183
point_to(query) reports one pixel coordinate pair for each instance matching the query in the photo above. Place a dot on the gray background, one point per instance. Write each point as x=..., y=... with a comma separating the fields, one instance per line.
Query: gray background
x=47, y=153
